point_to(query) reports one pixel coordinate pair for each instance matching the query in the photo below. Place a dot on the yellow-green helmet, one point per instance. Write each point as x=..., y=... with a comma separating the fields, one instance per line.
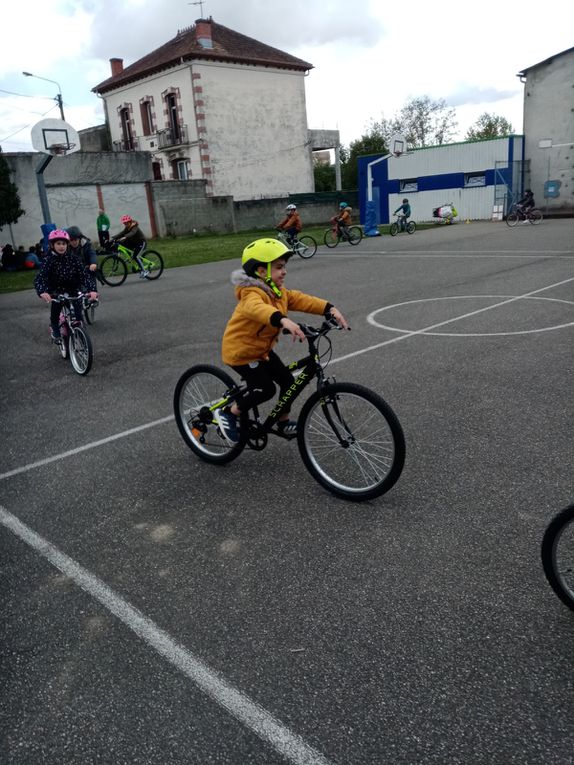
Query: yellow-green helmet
x=263, y=252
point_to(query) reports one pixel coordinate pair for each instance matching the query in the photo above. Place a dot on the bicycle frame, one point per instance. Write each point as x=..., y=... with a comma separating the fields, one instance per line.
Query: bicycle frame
x=309, y=368
x=124, y=253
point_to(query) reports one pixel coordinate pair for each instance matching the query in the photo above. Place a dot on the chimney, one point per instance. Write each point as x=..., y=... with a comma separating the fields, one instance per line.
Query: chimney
x=117, y=65
x=203, y=33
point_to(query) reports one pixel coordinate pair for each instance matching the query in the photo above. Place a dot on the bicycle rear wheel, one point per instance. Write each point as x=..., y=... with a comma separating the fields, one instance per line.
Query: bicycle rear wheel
x=355, y=234
x=81, y=351
x=351, y=441
x=113, y=271
x=197, y=391
x=411, y=227
x=153, y=263
x=535, y=217
x=557, y=554
x=512, y=219
x=306, y=246
x=331, y=238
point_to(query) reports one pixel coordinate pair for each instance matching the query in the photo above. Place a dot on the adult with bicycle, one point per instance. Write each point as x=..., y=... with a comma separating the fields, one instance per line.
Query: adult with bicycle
x=405, y=213
x=132, y=237
x=254, y=328
x=62, y=272
x=291, y=224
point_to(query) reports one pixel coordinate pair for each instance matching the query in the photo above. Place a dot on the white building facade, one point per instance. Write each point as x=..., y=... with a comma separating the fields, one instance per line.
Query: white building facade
x=216, y=105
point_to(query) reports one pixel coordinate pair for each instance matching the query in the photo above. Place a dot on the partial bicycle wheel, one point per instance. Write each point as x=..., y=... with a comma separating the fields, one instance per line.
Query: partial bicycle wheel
x=355, y=234
x=113, y=271
x=154, y=264
x=535, y=217
x=307, y=247
x=557, y=554
x=90, y=311
x=197, y=392
x=81, y=351
x=512, y=219
x=351, y=441
x=394, y=229
x=331, y=238
x=411, y=227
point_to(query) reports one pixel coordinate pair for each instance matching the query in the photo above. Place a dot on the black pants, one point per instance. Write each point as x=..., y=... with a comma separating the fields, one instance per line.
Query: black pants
x=104, y=237
x=55, y=309
x=261, y=380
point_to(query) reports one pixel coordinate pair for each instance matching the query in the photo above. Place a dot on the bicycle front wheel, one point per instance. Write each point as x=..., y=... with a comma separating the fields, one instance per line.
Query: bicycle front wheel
x=535, y=217
x=355, y=234
x=153, y=263
x=411, y=227
x=512, y=219
x=113, y=271
x=331, y=238
x=197, y=391
x=81, y=351
x=557, y=553
x=351, y=441
x=306, y=247
x=394, y=229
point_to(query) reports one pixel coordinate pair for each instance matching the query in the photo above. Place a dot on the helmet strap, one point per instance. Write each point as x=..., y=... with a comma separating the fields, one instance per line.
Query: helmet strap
x=270, y=283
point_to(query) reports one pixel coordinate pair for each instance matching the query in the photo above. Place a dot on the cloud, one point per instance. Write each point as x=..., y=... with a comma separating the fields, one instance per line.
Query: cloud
x=474, y=94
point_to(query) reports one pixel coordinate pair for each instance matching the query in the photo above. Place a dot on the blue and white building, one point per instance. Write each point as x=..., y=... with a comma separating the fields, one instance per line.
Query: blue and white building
x=480, y=178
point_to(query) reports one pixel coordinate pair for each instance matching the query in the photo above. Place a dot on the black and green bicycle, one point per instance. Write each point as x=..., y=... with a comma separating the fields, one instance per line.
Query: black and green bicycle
x=114, y=267
x=349, y=438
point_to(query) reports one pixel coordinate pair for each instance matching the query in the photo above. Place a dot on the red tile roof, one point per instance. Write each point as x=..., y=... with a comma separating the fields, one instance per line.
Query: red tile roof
x=227, y=46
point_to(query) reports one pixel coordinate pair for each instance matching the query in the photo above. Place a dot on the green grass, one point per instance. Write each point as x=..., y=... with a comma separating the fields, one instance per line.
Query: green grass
x=184, y=251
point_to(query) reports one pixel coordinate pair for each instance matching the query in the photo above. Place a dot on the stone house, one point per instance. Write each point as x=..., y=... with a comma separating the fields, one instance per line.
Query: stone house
x=216, y=105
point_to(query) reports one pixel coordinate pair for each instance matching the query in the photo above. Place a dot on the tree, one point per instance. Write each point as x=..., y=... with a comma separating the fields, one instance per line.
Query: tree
x=324, y=175
x=10, y=209
x=372, y=142
x=489, y=126
x=423, y=122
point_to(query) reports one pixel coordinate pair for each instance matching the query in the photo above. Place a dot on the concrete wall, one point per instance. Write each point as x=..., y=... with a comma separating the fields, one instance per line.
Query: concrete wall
x=549, y=114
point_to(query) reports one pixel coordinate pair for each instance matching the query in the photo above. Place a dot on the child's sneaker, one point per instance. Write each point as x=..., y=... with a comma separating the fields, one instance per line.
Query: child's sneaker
x=144, y=274
x=227, y=423
x=55, y=336
x=287, y=428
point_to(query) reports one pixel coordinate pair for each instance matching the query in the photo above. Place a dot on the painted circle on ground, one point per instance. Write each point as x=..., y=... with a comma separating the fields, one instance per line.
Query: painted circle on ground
x=429, y=331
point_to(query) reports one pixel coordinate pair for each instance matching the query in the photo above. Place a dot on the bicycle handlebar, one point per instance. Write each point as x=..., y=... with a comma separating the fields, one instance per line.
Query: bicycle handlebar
x=65, y=296
x=313, y=332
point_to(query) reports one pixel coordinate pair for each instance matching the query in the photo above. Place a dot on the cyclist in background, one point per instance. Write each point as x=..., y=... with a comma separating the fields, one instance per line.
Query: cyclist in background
x=405, y=210
x=132, y=237
x=343, y=219
x=527, y=202
x=291, y=223
x=62, y=272
x=84, y=251
x=255, y=326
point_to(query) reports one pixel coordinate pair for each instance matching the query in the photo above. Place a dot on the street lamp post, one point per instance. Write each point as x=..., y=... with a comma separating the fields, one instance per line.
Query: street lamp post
x=58, y=98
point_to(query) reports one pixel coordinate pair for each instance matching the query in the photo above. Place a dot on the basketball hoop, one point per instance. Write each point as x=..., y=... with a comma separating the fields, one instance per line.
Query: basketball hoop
x=398, y=145
x=59, y=149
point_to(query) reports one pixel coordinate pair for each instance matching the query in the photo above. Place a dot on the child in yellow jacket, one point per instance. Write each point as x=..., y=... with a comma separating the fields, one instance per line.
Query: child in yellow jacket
x=255, y=326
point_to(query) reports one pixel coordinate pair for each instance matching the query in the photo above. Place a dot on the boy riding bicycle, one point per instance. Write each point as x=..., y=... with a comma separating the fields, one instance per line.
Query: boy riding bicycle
x=255, y=326
x=405, y=213
x=291, y=224
x=343, y=220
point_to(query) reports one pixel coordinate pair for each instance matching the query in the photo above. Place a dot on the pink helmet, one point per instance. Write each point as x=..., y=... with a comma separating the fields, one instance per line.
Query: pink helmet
x=59, y=233
x=126, y=219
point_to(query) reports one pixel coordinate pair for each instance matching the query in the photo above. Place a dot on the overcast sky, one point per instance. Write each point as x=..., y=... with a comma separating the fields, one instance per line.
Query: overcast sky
x=369, y=56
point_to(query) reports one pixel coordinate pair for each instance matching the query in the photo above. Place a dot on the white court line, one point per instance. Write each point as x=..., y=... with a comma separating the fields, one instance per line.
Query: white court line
x=94, y=444
x=539, y=255
x=84, y=448
x=248, y=712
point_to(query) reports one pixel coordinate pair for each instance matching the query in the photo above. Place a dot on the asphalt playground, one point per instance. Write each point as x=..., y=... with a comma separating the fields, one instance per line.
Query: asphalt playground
x=156, y=609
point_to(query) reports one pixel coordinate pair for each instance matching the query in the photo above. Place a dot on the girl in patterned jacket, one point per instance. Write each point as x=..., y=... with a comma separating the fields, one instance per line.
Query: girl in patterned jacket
x=62, y=272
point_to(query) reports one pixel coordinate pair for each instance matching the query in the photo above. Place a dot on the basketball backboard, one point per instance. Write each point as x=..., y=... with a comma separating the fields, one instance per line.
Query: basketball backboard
x=55, y=137
x=398, y=145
